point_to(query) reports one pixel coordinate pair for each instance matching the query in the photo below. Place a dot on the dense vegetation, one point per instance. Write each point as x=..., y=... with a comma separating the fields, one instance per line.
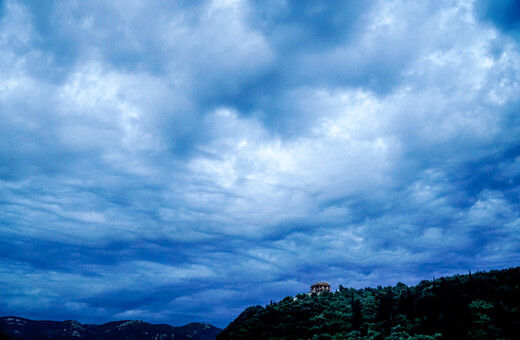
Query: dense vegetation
x=473, y=306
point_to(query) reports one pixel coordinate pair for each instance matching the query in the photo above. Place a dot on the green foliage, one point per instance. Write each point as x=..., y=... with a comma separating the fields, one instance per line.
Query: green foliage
x=475, y=306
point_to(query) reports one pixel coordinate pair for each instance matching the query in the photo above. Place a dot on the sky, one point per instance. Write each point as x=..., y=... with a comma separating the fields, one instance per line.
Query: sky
x=179, y=161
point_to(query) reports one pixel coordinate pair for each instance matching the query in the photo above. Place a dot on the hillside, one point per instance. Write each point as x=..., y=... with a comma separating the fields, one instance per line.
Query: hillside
x=483, y=305
x=14, y=328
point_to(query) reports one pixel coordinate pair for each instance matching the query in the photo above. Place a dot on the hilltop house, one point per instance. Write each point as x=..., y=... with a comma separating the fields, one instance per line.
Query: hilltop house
x=319, y=287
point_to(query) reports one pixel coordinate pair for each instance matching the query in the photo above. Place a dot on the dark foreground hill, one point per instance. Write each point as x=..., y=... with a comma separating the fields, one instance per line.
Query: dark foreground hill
x=474, y=306
x=14, y=328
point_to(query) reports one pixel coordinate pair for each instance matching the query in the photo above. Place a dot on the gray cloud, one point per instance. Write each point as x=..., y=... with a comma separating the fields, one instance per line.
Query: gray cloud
x=179, y=162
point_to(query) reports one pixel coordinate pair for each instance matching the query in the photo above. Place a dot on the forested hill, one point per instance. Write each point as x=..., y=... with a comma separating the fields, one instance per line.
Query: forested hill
x=16, y=328
x=482, y=305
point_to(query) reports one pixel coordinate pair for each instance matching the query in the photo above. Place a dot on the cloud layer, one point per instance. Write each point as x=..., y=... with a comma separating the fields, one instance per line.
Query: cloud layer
x=177, y=162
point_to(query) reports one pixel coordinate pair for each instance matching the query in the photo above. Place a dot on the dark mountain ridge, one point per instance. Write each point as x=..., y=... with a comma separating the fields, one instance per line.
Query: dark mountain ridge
x=482, y=305
x=14, y=328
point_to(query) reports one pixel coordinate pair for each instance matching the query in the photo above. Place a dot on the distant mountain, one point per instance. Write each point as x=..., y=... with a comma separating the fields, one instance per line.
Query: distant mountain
x=14, y=328
x=482, y=305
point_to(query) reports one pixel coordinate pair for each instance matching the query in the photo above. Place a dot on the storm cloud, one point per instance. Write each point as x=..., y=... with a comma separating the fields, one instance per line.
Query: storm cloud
x=179, y=161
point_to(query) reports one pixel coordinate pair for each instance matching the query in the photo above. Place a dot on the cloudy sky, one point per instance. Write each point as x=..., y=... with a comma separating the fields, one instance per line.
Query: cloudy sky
x=178, y=161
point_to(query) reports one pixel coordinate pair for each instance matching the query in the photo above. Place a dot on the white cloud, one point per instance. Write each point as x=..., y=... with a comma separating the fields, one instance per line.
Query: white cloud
x=175, y=145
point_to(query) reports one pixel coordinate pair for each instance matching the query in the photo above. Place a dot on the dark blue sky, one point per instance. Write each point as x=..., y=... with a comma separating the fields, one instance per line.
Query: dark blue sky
x=178, y=161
